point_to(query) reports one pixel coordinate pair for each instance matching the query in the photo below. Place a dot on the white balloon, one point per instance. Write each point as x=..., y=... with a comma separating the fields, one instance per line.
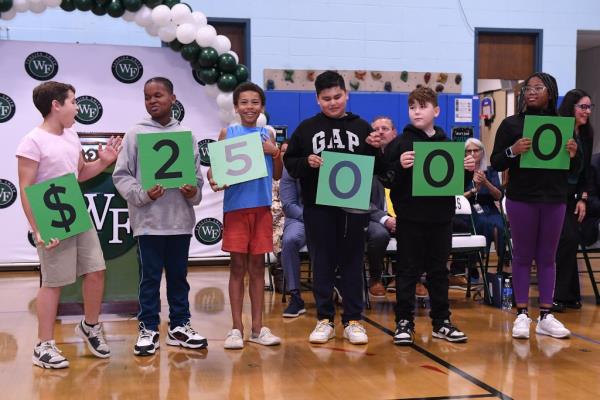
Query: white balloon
x=161, y=15
x=212, y=90
x=222, y=44
x=143, y=17
x=20, y=5
x=152, y=30
x=262, y=120
x=186, y=33
x=226, y=116
x=225, y=101
x=234, y=54
x=237, y=119
x=206, y=36
x=180, y=14
x=199, y=19
x=49, y=3
x=128, y=16
x=37, y=8
x=8, y=15
x=35, y=1
x=167, y=33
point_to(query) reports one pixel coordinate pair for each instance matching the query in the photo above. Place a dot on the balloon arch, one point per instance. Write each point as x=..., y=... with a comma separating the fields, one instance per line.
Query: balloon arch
x=185, y=31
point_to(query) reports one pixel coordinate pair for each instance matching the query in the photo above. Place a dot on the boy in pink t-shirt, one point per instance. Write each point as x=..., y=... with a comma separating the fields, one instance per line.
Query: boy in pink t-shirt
x=50, y=150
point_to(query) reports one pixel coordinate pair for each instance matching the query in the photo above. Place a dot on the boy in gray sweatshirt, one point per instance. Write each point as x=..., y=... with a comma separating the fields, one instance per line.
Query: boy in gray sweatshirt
x=162, y=221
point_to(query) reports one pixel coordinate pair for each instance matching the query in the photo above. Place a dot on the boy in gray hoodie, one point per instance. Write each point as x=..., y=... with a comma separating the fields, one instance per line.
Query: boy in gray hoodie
x=162, y=221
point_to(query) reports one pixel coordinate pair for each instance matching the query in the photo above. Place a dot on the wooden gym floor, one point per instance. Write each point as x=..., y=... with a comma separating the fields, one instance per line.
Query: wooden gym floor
x=490, y=366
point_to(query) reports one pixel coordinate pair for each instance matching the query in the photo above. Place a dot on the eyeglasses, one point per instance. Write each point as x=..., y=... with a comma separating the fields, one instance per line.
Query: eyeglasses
x=472, y=151
x=585, y=107
x=533, y=89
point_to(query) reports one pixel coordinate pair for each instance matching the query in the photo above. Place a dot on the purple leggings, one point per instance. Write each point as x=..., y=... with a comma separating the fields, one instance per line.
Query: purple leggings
x=535, y=229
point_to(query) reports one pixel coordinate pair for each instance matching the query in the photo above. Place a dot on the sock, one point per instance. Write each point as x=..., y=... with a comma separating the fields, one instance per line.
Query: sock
x=88, y=325
x=544, y=312
x=522, y=310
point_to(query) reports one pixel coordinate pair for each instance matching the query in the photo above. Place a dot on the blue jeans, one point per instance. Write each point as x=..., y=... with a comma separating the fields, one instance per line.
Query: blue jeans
x=293, y=240
x=154, y=253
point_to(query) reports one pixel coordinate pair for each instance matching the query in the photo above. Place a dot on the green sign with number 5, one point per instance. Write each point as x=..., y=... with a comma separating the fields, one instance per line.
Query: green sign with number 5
x=237, y=160
x=167, y=159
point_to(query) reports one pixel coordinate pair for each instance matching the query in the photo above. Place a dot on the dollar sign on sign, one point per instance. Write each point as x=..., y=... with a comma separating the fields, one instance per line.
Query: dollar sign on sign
x=52, y=201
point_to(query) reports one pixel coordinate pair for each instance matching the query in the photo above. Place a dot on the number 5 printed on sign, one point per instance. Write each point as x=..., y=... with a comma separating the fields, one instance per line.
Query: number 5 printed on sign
x=237, y=160
x=167, y=159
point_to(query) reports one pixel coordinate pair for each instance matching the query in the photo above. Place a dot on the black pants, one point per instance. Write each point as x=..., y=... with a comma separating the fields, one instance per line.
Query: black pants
x=566, y=288
x=423, y=247
x=337, y=238
x=378, y=238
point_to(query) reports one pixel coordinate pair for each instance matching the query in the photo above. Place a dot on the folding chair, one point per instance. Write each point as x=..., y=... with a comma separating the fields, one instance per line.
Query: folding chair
x=470, y=245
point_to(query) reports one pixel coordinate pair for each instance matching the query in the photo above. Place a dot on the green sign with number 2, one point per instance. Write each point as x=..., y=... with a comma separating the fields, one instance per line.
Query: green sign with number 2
x=237, y=160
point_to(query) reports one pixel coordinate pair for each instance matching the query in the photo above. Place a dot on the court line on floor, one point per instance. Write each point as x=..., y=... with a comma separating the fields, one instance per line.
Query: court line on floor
x=466, y=396
x=492, y=391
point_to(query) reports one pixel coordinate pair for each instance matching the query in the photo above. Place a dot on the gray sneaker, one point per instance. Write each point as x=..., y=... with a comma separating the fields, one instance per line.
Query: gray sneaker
x=47, y=355
x=94, y=338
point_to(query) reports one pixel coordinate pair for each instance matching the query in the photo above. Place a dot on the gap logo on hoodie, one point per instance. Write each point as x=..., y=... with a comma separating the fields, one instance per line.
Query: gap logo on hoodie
x=321, y=141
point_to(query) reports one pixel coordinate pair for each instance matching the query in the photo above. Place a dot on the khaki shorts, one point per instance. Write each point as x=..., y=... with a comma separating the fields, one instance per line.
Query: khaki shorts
x=73, y=257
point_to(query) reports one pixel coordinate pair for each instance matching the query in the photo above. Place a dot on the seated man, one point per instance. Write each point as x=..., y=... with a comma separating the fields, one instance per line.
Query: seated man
x=293, y=240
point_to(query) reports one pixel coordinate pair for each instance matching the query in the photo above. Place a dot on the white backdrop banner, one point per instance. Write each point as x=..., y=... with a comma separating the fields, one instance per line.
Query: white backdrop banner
x=109, y=83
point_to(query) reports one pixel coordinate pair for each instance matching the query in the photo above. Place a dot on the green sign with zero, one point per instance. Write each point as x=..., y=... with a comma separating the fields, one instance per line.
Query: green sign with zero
x=167, y=159
x=438, y=169
x=549, y=136
x=58, y=208
x=345, y=180
x=237, y=160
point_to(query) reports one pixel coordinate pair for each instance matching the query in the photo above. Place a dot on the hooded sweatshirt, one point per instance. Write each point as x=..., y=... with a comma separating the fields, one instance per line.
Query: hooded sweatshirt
x=429, y=209
x=170, y=214
x=320, y=133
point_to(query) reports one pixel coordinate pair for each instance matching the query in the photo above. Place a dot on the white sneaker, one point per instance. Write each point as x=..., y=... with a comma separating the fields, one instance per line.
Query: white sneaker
x=147, y=342
x=47, y=355
x=550, y=326
x=323, y=332
x=356, y=333
x=234, y=340
x=265, y=337
x=521, y=326
x=186, y=336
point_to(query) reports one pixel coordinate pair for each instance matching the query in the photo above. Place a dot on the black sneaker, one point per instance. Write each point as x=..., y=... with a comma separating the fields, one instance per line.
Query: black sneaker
x=558, y=307
x=295, y=308
x=449, y=332
x=147, y=342
x=47, y=355
x=405, y=333
x=186, y=336
x=94, y=338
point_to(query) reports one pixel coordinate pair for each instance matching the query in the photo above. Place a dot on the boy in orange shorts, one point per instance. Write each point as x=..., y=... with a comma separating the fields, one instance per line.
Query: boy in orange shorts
x=247, y=221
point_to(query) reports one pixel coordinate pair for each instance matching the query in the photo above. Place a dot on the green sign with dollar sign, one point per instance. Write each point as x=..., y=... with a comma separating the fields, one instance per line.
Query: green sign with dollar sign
x=58, y=208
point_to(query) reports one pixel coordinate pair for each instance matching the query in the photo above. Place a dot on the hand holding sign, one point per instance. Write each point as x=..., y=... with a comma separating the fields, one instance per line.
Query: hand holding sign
x=438, y=168
x=237, y=160
x=521, y=146
x=166, y=159
x=58, y=208
x=549, y=137
x=345, y=180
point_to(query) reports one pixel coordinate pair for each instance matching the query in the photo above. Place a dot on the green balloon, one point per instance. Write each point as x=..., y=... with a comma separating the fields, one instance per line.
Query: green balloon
x=175, y=45
x=99, y=9
x=170, y=3
x=241, y=73
x=68, y=5
x=227, y=62
x=115, y=9
x=227, y=82
x=208, y=75
x=84, y=5
x=103, y=3
x=132, y=5
x=190, y=51
x=152, y=3
x=5, y=5
x=208, y=57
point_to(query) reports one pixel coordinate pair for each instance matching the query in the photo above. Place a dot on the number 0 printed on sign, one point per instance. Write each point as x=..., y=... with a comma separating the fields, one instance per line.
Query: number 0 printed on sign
x=58, y=208
x=166, y=158
x=549, y=136
x=345, y=180
x=438, y=169
x=237, y=160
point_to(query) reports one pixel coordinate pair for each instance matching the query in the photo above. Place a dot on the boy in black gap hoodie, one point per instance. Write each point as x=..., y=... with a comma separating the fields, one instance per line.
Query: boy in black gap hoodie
x=423, y=224
x=336, y=235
